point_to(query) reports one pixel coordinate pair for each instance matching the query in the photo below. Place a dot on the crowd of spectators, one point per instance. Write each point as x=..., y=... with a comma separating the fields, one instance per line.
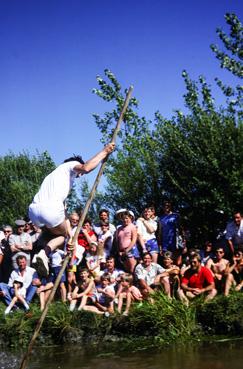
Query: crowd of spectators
x=114, y=266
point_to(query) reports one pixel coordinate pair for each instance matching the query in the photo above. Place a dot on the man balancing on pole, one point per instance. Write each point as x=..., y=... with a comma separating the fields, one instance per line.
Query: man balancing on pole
x=48, y=209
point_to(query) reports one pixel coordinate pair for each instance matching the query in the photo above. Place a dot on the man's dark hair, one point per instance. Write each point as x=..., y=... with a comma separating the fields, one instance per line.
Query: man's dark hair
x=104, y=211
x=75, y=158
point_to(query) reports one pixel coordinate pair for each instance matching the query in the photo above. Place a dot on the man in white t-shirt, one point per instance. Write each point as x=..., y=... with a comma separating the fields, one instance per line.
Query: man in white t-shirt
x=48, y=209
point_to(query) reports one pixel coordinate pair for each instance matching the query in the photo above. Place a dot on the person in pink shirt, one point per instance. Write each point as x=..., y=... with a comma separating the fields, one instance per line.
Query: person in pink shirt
x=126, y=237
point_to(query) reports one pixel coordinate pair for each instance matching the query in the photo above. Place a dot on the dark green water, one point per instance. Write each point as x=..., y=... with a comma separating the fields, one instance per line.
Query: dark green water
x=217, y=355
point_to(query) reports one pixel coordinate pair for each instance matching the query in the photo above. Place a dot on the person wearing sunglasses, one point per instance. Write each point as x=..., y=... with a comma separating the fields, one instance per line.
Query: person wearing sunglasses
x=219, y=266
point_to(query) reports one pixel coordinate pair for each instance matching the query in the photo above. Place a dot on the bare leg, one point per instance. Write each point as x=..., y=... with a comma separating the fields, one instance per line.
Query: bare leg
x=165, y=281
x=228, y=283
x=128, y=303
x=63, y=292
x=42, y=300
x=120, y=302
x=211, y=295
x=130, y=264
x=154, y=257
x=92, y=309
x=10, y=306
x=83, y=302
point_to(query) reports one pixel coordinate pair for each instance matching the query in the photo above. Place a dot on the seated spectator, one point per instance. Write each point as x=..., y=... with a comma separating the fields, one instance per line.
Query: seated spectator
x=234, y=275
x=20, y=243
x=102, y=300
x=150, y=276
x=85, y=237
x=104, y=217
x=219, y=267
x=127, y=291
x=234, y=232
x=197, y=280
x=206, y=253
x=147, y=227
x=94, y=259
x=83, y=290
x=19, y=295
x=173, y=272
x=126, y=238
x=43, y=291
x=114, y=273
x=30, y=279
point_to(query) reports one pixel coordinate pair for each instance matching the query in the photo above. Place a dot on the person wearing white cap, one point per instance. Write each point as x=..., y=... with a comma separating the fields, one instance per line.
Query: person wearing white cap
x=20, y=243
x=48, y=209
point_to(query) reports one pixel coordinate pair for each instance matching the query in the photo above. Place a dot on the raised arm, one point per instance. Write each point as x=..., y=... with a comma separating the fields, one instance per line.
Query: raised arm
x=93, y=162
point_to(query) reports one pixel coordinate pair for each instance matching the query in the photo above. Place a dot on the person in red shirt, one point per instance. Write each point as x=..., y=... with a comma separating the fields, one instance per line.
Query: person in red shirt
x=196, y=281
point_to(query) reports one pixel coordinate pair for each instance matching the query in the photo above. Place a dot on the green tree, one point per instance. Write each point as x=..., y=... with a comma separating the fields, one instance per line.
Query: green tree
x=21, y=176
x=194, y=159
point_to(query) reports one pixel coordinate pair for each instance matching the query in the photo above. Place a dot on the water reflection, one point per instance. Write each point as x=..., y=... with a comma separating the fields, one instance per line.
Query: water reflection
x=220, y=355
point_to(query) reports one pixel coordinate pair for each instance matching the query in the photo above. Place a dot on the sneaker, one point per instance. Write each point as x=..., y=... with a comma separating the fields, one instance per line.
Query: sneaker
x=125, y=313
x=41, y=264
x=107, y=314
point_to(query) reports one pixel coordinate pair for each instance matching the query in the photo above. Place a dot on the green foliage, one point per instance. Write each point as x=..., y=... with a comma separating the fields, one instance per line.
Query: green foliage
x=222, y=316
x=162, y=322
x=21, y=176
x=194, y=158
x=231, y=59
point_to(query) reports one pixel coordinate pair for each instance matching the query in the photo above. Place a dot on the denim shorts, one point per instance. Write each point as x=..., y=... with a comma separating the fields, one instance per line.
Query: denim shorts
x=152, y=246
x=134, y=253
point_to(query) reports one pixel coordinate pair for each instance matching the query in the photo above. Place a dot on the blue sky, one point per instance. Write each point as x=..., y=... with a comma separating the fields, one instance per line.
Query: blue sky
x=52, y=50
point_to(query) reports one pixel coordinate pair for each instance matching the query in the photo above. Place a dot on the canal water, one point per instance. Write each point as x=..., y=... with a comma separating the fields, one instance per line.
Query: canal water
x=216, y=355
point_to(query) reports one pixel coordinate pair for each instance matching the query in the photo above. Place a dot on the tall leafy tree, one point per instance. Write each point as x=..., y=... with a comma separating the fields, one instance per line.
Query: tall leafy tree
x=195, y=159
x=21, y=176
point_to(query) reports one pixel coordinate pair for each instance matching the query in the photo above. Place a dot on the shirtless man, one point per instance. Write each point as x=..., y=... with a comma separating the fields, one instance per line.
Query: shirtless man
x=219, y=267
x=48, y=209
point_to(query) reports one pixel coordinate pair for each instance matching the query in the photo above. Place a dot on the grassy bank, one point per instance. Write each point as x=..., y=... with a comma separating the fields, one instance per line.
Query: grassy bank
x=164, y=322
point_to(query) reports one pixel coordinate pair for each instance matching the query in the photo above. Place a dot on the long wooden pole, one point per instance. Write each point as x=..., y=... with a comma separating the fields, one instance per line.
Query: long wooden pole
x=75, y=237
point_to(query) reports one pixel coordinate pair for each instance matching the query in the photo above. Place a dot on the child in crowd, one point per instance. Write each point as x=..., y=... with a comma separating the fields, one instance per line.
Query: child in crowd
x=83, y=290
x=103, y=297
x=56, y=259
x=19, y=295
x=94, y=257
x=105, y=239
x=126, y=291
x=44, y=291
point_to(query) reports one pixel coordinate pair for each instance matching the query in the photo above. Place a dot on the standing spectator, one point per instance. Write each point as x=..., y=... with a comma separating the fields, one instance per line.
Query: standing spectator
x=126, y=237
x=20, y=243
x=170, y=238
x=56, y=259
x=234, y=232
x=197, y=280
x=105, y=239
x=147, y=227
x=104, y=217
x=6, y=266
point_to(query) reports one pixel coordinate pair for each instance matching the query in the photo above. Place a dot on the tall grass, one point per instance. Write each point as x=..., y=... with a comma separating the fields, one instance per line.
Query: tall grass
x=162, y=322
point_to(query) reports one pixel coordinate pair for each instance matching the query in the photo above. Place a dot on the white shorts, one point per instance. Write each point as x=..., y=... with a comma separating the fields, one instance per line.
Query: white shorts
x=49, y=214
